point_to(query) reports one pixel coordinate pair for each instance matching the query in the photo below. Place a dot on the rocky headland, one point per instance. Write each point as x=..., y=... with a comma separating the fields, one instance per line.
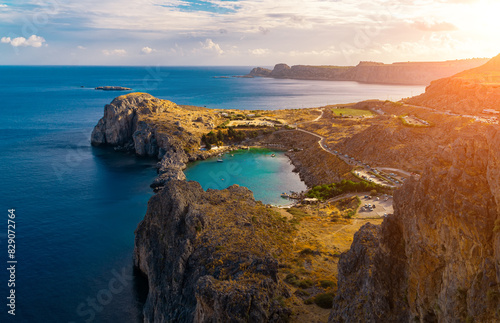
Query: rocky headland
x=211, y=256
x=148, y=126
x=411, y=73
x=468, y=92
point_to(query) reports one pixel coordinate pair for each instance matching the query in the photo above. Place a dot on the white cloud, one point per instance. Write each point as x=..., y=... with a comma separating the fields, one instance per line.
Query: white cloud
x=434, y=26
x=114, y=52
x=147, y=50
x=259, y=51
x=209, y=45
x=33, y=41
x=81, y=47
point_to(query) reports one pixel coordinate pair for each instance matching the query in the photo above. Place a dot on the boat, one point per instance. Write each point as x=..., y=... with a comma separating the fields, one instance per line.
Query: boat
x=220, y=160
x=273, y=155
x=285, y=195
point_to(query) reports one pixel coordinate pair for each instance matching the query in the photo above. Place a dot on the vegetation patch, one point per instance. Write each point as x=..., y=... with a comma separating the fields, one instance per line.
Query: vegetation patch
x=344, y=112
x=326, y=191
x=324, y=300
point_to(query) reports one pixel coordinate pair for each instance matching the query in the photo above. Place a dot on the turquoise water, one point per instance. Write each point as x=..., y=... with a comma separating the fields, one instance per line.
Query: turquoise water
x=267, y=177
x=78, y=206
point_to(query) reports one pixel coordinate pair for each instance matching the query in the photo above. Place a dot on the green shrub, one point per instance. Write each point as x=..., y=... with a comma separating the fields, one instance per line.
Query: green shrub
x=327, y=283
x=324, y=300
x=306, y=283
x=326, y=191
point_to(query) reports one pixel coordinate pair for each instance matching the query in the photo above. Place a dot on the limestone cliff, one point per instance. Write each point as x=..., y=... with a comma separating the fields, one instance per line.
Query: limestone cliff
x=148, y=126
x=208, y=256
x=415, y=73
x=437, y=259
x=122, y=123
x=469, y=92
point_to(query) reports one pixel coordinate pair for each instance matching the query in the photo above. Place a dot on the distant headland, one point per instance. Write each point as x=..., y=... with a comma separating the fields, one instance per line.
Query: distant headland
x=404, y=73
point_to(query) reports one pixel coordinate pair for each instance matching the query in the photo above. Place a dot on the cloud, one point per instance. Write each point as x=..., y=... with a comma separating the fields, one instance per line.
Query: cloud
x=209, y=45
x=114, y=52
x=81, y=47
x=259, y=51
x=32, y=41
x=147, y=50
x=3, y=6
x=264, y=31
x=434, y=26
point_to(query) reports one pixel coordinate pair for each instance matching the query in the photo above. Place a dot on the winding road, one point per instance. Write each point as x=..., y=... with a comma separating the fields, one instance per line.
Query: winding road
x=322, y=145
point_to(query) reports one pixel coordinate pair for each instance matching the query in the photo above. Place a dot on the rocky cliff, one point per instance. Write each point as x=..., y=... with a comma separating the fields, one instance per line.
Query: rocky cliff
x=208, y=256
x=416, y=73
x=469, y=92
x=148, y=126
x=437, y=259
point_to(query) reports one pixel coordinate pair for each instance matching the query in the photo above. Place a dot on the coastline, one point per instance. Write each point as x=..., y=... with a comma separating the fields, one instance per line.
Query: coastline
x=205, y=237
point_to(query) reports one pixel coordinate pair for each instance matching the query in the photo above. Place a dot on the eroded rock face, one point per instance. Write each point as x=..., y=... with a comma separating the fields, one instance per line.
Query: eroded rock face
x=122, y=125
x=449, y=258
x=372, y=280
x=202, y=260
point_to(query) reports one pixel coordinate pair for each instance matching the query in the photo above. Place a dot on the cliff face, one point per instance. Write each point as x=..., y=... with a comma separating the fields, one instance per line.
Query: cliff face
x=148, y=126
x=443, y=238
x=207, y=257
x=122, y=123
x=415, y=73
x=468, y=92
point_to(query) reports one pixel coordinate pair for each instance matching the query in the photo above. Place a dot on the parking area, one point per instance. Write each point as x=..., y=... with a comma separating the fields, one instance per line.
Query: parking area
x=375, y=206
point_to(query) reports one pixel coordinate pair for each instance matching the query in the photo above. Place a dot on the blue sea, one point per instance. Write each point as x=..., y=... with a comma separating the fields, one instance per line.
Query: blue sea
x=77, y=206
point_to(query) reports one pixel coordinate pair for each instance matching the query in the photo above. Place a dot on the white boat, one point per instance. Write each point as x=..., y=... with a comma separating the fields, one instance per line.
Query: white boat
x=273, y=155
x=220, y=160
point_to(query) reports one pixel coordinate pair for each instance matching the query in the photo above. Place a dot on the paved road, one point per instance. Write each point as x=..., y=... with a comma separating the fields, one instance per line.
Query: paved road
x=347, y=160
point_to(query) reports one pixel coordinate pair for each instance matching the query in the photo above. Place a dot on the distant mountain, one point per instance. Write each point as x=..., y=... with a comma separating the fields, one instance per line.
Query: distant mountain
x=468, y=92
x=411, y=73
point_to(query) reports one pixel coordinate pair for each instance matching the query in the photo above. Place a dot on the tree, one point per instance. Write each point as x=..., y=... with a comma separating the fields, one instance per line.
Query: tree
x=208, y=146
x=220, y=136
x=231, y=133
x=373, y=192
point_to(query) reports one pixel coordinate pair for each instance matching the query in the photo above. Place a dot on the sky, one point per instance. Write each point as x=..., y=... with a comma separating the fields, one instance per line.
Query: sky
x=245, y=32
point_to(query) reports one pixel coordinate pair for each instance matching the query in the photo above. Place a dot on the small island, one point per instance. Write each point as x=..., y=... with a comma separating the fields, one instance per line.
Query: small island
x=113, y=88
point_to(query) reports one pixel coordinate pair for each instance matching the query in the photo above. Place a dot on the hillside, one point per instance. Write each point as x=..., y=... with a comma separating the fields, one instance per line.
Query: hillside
x=468, y=92
x=437, y=258
x=415, y=73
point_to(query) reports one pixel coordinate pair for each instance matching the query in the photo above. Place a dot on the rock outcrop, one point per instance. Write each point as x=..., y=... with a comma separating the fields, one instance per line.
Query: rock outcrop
x=122, y=123
x=113, y=88
x=148, y=126
x=208, y=257
x=414, y=73
x=437, y=259
x=469, y=92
